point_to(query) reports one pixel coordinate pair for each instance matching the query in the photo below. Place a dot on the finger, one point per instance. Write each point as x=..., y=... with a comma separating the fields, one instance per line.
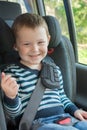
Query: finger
x=13, y=84
x=81, y=117
x=8, y=82
x=2, y=74
x=14, y=90
x=5, y=77
x=85, y=115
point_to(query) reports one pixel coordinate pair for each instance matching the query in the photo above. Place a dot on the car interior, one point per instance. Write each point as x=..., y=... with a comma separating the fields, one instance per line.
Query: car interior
x=13, y=10
x=60, y=50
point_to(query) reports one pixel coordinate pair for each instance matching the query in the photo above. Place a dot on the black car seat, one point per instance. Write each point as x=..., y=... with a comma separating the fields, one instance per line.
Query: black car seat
x=60, y=49
x=9, y=11
x=63, y=55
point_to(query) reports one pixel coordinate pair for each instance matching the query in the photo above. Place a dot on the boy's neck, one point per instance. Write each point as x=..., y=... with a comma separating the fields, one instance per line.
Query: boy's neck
x=36, y=66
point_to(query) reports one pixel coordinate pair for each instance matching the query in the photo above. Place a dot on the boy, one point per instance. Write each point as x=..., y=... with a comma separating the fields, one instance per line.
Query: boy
x=19, y=79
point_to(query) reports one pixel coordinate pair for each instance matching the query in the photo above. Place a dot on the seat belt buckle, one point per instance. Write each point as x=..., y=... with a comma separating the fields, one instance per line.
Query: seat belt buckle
x=64, y=121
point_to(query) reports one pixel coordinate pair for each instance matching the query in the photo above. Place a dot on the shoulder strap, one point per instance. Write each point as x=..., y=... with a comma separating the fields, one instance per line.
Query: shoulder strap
x=31, y=109
x=49, y=74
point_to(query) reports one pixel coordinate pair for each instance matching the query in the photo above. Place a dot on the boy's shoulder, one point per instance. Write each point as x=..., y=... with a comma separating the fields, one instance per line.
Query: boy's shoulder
x=50, y=73
x=5, y=67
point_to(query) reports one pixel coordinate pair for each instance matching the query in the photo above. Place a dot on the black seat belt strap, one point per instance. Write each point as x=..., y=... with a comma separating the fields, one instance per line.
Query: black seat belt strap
x=31, y=109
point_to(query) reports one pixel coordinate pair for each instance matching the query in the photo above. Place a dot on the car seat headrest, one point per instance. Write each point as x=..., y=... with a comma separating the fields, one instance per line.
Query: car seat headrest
x=9, y=11
x=6, y=37
x=54, y=30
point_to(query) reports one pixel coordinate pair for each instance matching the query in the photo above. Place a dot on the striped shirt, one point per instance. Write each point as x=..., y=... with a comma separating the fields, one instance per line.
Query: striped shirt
x=54, y=101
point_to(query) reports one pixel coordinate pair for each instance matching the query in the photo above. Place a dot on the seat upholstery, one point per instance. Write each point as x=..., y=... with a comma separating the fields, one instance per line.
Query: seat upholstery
x=2, y=121
x=63, y=54
x=9, y=11
x=6, y=44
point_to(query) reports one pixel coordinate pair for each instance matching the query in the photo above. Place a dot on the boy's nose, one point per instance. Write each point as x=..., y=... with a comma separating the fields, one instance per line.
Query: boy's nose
x=35, y=48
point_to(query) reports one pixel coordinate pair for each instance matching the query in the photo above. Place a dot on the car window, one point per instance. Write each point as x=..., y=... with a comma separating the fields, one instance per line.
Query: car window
x=79, y=7
x=56, y=8
x=80, y=16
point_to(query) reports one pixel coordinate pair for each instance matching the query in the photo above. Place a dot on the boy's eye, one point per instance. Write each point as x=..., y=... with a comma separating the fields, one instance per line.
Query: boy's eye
x=27, y=44
x=41, y=42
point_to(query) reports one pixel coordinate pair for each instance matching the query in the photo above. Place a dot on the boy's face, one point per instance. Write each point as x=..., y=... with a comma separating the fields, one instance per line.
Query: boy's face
x=32, y=45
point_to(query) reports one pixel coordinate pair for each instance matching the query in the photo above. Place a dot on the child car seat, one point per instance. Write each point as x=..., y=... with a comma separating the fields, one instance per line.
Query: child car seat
x=60, y=49
x=63, y=55
x=9, y=11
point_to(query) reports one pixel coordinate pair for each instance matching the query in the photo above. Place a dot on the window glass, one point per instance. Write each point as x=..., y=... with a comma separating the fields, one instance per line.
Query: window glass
x=80, y=16
x=56, y=8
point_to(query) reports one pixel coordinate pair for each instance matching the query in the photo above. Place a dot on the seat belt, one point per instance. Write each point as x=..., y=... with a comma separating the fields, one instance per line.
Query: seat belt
x=31, y=109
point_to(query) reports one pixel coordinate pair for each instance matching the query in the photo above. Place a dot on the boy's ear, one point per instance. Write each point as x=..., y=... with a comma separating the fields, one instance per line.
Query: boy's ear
x=15, y=48
x=49, y=37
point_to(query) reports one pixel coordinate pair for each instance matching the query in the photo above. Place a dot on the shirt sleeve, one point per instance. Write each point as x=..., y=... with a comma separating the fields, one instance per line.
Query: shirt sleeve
x=12, y=107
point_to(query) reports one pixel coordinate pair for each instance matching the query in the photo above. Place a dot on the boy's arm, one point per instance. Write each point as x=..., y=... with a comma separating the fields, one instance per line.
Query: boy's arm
x=12, y=106
x=10, y=90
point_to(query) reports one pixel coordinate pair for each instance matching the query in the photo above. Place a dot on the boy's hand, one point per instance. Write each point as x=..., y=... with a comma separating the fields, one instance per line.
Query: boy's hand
x=9, y=85
x=80, y=114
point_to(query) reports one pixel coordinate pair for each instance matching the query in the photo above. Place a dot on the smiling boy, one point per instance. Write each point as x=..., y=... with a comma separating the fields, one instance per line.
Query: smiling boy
x=19, y=79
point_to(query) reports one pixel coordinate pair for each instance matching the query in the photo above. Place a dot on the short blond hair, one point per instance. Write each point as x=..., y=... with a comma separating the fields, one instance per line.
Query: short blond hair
x=28, y=20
